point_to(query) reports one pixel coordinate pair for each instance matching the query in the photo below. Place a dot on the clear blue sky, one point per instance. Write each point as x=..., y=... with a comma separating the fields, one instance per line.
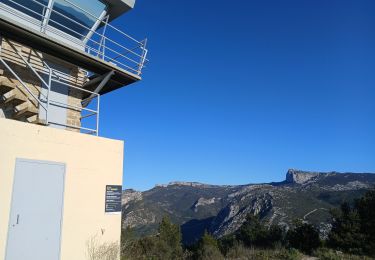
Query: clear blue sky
x=239, y=91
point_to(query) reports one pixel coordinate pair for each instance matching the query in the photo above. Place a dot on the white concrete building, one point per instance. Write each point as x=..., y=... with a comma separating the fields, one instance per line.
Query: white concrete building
x=60, y=183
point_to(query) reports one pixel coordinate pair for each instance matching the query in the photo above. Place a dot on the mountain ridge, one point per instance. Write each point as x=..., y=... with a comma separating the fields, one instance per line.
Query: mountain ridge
x=221, y=209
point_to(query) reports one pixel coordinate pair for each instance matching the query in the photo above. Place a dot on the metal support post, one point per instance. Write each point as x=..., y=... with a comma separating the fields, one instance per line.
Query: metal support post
x=47, y=15
x=98, y=88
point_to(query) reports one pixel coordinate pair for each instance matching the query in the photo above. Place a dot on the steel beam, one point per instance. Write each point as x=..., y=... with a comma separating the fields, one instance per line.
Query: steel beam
x=104, y=81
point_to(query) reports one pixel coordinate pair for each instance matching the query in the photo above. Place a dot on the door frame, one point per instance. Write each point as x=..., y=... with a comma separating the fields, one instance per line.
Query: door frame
x=18, y=160
x=58, y=122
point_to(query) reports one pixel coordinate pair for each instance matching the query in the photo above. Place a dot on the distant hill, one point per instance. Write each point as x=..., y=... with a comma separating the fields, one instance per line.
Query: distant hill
x=222, y=209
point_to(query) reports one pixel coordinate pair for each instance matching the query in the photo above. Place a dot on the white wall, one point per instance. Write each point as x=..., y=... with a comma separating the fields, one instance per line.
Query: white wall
x=91, y=164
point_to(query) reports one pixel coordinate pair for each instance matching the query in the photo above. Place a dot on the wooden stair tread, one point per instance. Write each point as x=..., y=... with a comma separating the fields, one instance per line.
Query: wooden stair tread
x=14, y=101
x=25, y=112
x=16, y=98
x=38, y=121
x=6, y=86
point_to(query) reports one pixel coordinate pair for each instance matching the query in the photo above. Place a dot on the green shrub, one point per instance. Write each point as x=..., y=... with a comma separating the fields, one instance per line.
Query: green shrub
x=366, y=210
x=242, y=252
x=304, y=237
x=252, y=232
x=208, y=248
x=353, y=227
x=164, y=246
x=346, y=232
x=227, y=242
x=170, y=239
x=330, y=254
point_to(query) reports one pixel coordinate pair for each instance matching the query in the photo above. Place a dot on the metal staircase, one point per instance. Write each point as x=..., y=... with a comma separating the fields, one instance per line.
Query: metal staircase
x=22, y=104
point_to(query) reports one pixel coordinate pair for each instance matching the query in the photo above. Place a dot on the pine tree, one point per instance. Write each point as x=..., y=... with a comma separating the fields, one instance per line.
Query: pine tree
x=353, y=228
x=208, y=248
x=304, y=237
x=346, y=234
x=170, y=239
x=366, y=210
x=252, y=232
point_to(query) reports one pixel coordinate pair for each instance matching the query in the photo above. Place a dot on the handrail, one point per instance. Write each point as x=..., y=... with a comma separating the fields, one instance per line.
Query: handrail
x=104, y=56
x=20, y=80
x=83, y=26
x=97, y=19
x=26, y=62
x=49, y=101
x=108, y=54
x=46, y=64
x=55, y=30
x=99, y=44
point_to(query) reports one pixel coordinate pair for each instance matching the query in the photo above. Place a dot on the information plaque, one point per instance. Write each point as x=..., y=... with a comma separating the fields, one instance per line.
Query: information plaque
x=113, y=198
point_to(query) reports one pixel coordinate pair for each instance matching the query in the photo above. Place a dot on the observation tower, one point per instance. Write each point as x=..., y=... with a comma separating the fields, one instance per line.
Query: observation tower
x=60, y=182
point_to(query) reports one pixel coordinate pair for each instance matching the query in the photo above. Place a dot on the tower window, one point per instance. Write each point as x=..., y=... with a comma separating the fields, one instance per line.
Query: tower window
x=82, y=22
x=74, y=17
x=31, y=8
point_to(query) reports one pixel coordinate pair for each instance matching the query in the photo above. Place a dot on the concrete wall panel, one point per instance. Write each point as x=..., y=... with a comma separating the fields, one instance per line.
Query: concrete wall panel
x=91, y=164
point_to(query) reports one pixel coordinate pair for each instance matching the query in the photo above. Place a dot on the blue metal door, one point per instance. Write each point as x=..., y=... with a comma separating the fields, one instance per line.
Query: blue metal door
x=36, y=211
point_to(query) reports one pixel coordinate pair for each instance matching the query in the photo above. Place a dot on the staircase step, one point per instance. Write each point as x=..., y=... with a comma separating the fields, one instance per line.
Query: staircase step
x=6, y=86
x=38, y=121
x=25, y=112
x=15, y=98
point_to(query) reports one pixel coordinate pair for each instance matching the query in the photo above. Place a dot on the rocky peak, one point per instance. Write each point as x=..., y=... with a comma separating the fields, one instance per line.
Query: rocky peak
x=131, y=195
x=300, y=177
x=201, y=202
x=185, y=183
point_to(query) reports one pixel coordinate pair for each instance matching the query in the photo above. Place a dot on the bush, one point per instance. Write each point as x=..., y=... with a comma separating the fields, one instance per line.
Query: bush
x=346, y=232
x=166, y=245
x=330, y=254
x=226, y=243
x=208, y=248
x=304, y=237
x=366, y=210
x=170, y=239
x=241, y=252
x=252, y=232
x=353, y=227
x=275, y=236
x=97, y=250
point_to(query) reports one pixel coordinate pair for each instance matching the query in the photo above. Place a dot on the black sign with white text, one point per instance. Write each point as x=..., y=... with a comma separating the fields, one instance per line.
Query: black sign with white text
x=113, y=198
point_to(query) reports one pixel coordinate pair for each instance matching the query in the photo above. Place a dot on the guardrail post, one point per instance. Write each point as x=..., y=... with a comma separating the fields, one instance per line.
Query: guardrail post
x=97, y=115
x=102, y=40
x=143, y=58
x=48, y=92
x=46, y=15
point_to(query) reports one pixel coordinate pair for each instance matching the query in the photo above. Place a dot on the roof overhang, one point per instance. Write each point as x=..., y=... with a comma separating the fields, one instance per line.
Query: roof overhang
x=51, y=46
x=118, y=7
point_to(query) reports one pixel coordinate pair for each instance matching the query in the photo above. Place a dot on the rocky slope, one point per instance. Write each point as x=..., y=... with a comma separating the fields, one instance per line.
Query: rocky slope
x=222, y=209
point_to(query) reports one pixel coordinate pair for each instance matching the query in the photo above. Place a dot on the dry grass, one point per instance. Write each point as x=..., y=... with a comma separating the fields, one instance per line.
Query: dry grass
x=240, y=252
x=102, y=251
x=330, y=254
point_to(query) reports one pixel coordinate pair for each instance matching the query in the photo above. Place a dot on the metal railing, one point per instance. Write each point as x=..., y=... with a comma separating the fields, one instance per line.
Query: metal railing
x=45, y=101
x=103, y=40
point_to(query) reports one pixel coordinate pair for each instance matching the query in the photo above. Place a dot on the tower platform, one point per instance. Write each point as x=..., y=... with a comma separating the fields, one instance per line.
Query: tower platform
x=90, y=43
